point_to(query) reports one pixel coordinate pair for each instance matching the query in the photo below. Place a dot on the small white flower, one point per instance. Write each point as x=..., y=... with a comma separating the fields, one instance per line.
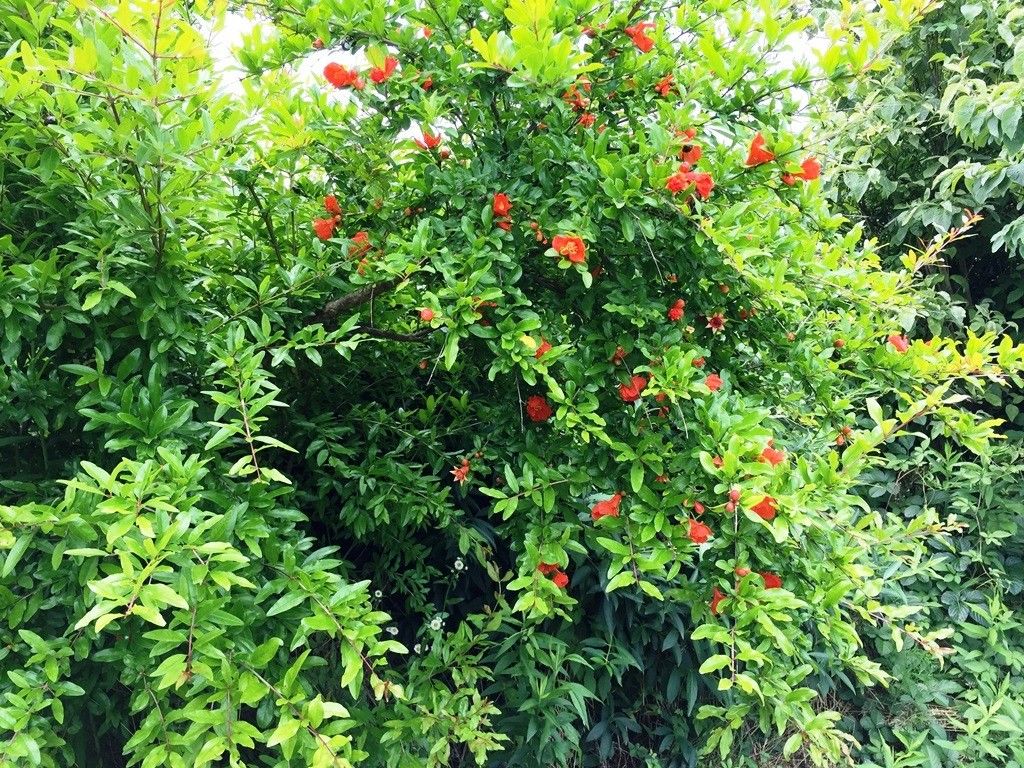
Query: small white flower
x=392, y=631
x=459, y=565
x=378, y=594
x=417, y=648
x=435, y=623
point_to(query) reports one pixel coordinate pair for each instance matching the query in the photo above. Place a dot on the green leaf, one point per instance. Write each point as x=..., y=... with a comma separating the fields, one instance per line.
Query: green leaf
x=624, y=579
x=21, y=545
x=714, y=663
x=286, y=602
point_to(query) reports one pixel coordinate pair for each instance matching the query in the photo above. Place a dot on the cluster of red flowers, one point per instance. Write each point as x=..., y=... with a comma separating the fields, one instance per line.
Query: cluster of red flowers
x=461, y=472
x=638, y=34
x=684, y=178
x=606, y=508
x=538, y=408
x=324, y=228
x=560, y=580
x=759, y=154
x=675, y=312
x=341, y=77
x=574, y=97
x=630, y=393
x=501, y=206
x=570, y=247
x=665, y=85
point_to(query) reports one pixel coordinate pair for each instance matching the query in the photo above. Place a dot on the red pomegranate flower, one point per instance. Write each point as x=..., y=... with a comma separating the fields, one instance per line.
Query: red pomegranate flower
x=690, y=153
x=676, y=183
x=427, y=83
x=698, y=508
x=429, y=141
x=638, y=34
x=538, y=408
x=460, y=473
x=698, y=362
x=331, y=204
x=547, y=568
x=713, y=382
x=900, y=343
x=811, y=169
x=561, y=580
x=717, y=461
x=543, y=349
x=324, y=228
x=505, y=225
x=765, y=508
x=716, y=322
x=426, y=314
x=380, y=74
x=618, y=356
x=771, y=580
x=698, y=533
x=675, y=312
x=342, y=77
x=587, y=119
x=759, y=154
x=772, y=456
x=360, y=244
x=574, y=98
x=630, y=393
x=665, y=85
x=427, y=32
x=717, y=596
x=501, y=205
x=606, y=508
x=571, y=247
x=741, y=572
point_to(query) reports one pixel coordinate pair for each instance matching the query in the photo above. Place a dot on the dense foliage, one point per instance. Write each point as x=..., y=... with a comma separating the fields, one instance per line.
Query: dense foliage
x=503, y=395
x=918, y=144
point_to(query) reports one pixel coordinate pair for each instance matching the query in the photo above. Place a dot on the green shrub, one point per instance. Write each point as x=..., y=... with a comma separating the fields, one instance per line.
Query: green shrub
x=287, y=493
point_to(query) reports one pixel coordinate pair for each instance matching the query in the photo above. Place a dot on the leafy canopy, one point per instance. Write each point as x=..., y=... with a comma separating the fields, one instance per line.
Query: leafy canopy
x=501, y=395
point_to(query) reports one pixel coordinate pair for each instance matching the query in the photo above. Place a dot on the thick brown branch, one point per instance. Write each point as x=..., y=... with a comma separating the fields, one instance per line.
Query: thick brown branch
x=335, y=307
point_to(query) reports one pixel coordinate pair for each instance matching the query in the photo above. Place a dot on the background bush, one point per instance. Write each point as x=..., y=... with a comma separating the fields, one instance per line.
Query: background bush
x=919, y=144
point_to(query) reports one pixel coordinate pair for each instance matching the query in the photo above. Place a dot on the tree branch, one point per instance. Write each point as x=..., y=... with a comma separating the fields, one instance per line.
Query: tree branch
x=335, y=307
x=382, y=333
